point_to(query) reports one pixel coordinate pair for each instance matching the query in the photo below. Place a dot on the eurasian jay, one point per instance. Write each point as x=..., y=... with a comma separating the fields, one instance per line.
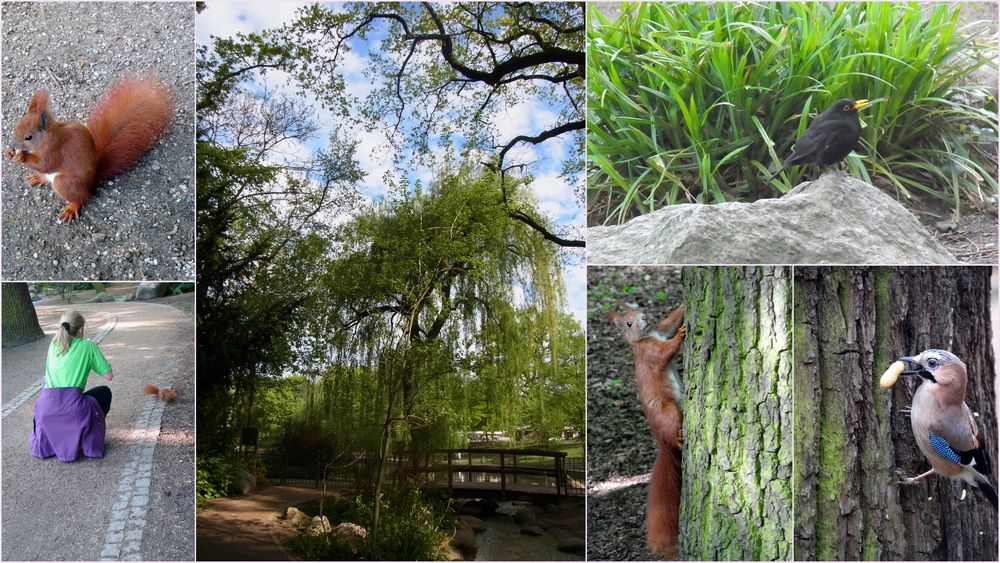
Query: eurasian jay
x=943, y=425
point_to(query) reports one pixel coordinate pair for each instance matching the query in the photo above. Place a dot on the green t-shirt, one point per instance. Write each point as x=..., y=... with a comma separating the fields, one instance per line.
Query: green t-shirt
x=72, y=368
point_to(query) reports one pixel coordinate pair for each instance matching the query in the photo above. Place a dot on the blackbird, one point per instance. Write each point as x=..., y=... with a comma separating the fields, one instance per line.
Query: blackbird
x=829, y=138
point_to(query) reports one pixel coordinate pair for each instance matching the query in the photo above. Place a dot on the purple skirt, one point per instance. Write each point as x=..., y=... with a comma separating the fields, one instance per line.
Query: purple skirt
x=66, y=420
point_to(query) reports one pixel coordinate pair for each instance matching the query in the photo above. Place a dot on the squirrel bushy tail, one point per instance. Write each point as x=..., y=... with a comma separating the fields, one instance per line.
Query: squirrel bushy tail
x=126, y=122
x=166, y=394
x=662, y=518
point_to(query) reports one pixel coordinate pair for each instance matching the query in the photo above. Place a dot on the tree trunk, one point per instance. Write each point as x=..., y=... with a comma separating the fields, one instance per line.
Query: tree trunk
x=852, y=442
x=20, y=323
x=736, y=498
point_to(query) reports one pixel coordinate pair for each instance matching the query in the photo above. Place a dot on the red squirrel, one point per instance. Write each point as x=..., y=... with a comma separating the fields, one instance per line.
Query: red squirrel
x=659, y=390
x=166, y=394
x=75, y=158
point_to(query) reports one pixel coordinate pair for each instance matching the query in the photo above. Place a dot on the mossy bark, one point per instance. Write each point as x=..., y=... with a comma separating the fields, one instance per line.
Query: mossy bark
x=736, y=501
x=852, y=443
x=20, y=323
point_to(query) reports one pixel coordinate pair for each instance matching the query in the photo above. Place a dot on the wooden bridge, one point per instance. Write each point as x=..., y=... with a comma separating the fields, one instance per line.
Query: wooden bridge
x=504, y=473
x=500, y=473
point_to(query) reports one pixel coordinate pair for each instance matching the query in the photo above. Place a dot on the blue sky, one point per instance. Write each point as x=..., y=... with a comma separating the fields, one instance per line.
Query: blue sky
x=529, y=116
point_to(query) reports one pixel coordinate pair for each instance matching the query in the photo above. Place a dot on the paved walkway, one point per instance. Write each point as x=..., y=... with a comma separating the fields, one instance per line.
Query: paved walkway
x=138, y=501
x=245, y=528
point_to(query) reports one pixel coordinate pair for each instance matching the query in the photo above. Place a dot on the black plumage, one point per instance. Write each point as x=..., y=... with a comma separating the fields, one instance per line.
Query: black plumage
x=829, y=138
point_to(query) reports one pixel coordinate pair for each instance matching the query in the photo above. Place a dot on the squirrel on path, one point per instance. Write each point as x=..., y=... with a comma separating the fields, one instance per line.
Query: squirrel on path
x=659, y=390
x=166, y=394
x=73, y=157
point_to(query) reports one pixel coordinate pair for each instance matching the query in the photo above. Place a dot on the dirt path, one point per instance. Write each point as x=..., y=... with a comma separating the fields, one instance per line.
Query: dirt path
x=138, y=501
x=245, y=528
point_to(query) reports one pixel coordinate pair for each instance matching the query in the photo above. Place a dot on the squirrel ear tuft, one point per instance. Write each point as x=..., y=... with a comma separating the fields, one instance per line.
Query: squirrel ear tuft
x=39, y=102
x=39, y=105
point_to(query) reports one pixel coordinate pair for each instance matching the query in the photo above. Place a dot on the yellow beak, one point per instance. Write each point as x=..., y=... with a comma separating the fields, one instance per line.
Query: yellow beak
x=860, y=104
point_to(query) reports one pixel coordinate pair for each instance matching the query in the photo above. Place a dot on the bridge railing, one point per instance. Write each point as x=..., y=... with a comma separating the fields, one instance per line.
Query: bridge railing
x=505, y=468
x=509, y=468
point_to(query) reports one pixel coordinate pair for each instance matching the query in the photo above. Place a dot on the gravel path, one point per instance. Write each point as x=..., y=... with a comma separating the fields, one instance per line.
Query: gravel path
x=141, y=225
x=620, y=449
x=136, y=502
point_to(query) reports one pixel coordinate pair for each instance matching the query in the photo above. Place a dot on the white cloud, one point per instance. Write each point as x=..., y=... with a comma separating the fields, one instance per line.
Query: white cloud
x=555, y=197
x=227, y=18
x=575, y=278
x=527, y=117
x=374, y=156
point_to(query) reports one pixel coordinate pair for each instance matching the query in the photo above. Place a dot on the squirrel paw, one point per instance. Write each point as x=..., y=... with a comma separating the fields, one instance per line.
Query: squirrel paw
x=37, y=179
x=8, y=152
x=680, y=440
x=70, y=212
x=681, y=331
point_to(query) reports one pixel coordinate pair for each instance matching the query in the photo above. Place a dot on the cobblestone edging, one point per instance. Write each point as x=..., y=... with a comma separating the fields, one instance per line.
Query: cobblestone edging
x=123, y=539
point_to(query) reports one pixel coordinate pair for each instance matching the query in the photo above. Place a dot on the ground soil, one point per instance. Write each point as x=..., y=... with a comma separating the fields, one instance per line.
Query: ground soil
x=142, y=224
x=620, y=449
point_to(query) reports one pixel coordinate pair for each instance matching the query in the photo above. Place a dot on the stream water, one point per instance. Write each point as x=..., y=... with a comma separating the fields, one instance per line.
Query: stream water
x=503, y=541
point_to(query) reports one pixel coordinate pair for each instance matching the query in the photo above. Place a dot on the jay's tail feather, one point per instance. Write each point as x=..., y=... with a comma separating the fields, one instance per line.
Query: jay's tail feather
x=987, y=489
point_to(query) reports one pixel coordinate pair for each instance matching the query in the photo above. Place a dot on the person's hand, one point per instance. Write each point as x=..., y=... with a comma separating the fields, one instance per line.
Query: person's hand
x=109, y=376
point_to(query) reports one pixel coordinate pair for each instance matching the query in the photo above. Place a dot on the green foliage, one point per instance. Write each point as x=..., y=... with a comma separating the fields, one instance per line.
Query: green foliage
x=214, y=478
x=181, y=288
x=696, y=102
x=275, y=403
x=260, y=244
x=411, y=528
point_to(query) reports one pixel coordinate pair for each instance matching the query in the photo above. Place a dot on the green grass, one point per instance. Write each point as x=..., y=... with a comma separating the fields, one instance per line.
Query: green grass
x=572, y=448
x=696, y=102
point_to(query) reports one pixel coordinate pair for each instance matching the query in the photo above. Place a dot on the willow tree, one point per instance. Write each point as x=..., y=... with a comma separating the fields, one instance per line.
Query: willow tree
x=430, y=281
x=853, y=439
x=736, y=499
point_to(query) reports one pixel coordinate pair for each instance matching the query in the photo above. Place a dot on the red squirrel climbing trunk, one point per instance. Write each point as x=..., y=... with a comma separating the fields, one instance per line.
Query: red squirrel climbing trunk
x=659, y=390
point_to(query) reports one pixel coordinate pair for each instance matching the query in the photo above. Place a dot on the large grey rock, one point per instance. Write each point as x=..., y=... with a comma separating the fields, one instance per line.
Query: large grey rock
x=351, y=536
x=296, y=517
x=532, y=530
x=527, y=514
x=474, y=524
x=151, y=290
x=572, y=545
x=318, y=525
x=465, y=542
x=244, y=481
x=833, y=220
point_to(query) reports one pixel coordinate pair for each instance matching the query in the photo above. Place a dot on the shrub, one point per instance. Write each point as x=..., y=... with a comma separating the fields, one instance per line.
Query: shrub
x=410, y=528
x=697, y=101
x=214, y=479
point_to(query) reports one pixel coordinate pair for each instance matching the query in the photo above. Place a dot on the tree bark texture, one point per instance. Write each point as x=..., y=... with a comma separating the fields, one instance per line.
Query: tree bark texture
x=853, y=443
x=736, y=500
x=20, y=322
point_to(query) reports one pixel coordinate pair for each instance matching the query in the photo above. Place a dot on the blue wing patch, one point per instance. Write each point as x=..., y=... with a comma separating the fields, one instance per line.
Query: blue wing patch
x=943, y=448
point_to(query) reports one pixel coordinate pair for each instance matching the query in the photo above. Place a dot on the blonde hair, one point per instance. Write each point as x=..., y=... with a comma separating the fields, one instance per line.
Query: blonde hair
x=69, y=326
